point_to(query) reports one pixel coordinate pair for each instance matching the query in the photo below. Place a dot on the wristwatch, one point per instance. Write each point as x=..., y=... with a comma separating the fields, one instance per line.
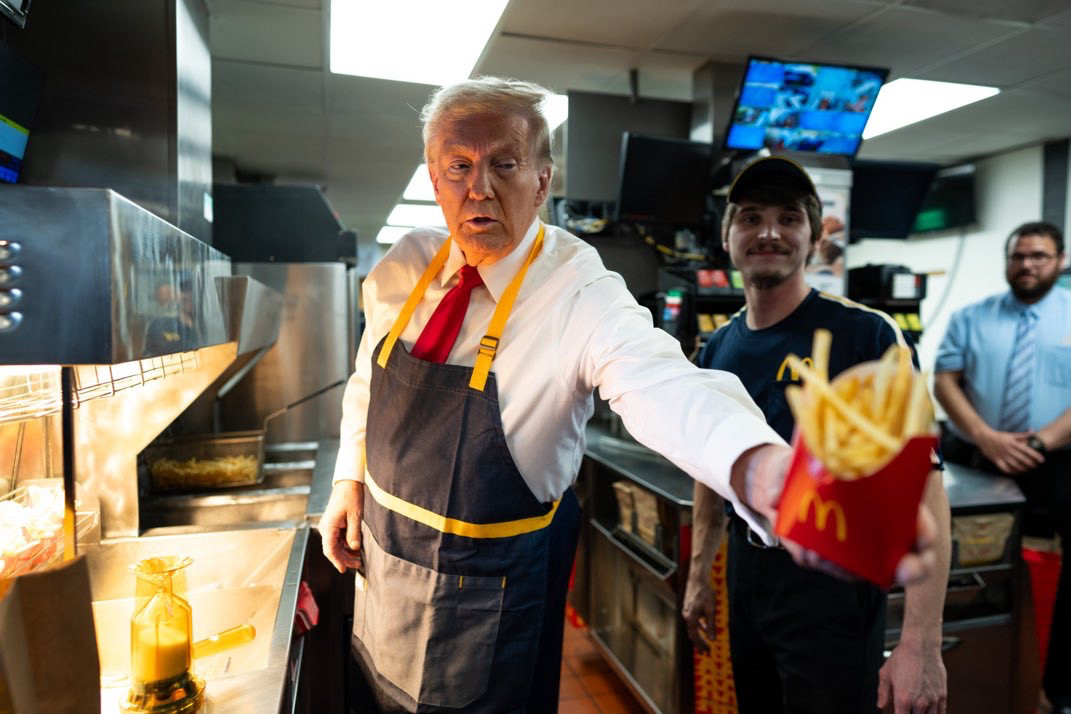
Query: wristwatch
x=1037, y=445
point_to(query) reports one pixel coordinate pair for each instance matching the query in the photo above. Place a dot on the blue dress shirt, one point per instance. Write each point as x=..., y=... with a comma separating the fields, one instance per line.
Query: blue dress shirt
x=979, y=343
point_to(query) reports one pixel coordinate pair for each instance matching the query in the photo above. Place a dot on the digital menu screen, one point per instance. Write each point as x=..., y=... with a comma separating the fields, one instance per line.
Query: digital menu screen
x=795, y=106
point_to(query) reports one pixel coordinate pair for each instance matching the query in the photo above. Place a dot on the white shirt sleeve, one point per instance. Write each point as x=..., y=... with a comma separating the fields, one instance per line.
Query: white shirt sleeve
x=701, y=420
x=351, y=460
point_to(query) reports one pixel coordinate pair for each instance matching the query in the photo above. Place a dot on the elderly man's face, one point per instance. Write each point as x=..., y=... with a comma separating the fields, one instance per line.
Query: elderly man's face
x=487, y=182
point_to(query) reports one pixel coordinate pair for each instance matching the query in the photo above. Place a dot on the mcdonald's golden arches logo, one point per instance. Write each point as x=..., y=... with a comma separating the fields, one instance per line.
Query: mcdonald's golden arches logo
x=793, y=374
x=822, y=510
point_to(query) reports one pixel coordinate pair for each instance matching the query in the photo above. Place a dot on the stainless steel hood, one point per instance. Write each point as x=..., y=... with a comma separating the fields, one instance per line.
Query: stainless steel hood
x=86, y=276
x=253, y=312
x=147, y=316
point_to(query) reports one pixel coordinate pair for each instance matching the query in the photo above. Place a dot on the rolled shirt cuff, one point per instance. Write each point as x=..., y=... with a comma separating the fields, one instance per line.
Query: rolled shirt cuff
x=733, y=437
x=349, y=465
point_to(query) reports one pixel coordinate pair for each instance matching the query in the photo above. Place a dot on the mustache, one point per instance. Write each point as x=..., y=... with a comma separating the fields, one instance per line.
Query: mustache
x=769, y=247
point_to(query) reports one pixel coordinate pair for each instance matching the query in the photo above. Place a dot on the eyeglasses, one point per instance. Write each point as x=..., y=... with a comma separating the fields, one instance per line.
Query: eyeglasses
x=1035, y=258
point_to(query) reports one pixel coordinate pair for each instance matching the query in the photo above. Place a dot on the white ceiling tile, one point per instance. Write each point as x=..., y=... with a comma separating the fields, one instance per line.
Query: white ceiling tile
x=1018, y=11
x=267, y=32
x=1029, y=54
x=564, y=66
x=353, y=96
x=904, y=39
x=732, y=33
x=1005, y=113
x=1057, y=82
x=623, y=23
x=241, y=84
x=1062, y=19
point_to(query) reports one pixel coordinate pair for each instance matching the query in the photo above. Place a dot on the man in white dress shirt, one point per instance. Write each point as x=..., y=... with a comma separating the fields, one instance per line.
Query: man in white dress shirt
x=451, y=493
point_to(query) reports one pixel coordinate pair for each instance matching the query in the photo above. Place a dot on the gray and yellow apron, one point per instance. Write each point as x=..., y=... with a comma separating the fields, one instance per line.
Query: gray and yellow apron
x=461, y=605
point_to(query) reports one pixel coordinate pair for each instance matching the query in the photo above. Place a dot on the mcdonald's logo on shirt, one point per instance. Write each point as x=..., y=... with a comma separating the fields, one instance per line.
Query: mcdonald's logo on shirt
x=822, y=510
x=793, y=374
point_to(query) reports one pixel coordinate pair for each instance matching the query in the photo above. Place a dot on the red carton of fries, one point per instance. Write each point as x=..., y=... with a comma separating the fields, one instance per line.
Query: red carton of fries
x=864, y=525
x=862, y=457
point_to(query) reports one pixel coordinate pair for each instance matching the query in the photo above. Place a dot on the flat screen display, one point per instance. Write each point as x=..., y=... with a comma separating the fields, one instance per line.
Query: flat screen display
x=886, y=196
x=664, y=181
x=807, y=107
x=20, y=86
x=949, y=204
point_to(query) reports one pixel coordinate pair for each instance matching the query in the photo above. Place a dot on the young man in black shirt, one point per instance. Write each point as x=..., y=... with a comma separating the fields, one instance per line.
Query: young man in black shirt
x=801, y=640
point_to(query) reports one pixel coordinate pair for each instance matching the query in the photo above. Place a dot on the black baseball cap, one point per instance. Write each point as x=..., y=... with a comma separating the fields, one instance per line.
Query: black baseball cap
x=772, y=169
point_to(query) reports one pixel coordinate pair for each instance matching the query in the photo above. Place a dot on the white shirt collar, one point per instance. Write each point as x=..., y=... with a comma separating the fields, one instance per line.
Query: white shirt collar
x=497, y=275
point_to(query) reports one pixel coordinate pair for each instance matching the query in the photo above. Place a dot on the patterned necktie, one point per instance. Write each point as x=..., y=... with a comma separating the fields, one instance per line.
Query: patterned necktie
x=1015, y=409
x=439, y=335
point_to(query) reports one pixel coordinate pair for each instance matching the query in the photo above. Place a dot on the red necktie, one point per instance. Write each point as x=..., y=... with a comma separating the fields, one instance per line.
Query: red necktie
x=439, y=335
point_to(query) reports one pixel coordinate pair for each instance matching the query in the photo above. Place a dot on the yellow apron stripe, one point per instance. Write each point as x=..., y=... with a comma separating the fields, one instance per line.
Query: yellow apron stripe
x=505, y=529
x=415, y=297
x=489, y=343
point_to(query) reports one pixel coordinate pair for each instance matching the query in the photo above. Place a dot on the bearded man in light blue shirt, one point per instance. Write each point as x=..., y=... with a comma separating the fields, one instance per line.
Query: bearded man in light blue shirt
x=1003, y=375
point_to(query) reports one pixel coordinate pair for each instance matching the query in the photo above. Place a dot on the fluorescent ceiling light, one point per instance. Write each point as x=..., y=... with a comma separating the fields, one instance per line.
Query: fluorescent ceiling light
x=557, y=110
x=391, y=234
x=906, y=101
x=410, y=214
x=420, y=188
x=424, y=41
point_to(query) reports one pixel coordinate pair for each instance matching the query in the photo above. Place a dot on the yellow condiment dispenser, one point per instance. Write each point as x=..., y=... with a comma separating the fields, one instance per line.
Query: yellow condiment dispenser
x=160, y=635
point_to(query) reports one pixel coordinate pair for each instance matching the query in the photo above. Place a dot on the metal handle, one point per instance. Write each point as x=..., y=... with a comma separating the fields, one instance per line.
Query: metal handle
x=222, y=641
x=977, y=582
x=633, y=555
x=304, y=399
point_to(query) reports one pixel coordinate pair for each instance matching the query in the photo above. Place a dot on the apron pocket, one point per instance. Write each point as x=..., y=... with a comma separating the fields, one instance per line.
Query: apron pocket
x=431, y=635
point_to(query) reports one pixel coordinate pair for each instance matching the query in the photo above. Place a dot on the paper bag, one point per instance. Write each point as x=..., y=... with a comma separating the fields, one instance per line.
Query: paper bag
x=48, y=646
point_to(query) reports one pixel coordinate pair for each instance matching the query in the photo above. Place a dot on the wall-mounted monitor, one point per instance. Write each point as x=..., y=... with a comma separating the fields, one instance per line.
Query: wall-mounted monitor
x=20, y=86
x=949, y=204
x=663, y=181
x=886, y=196
x=805, y=107
x=15, y=10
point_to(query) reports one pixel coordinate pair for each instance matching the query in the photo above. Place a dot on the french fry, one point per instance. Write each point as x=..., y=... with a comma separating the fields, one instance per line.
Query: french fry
x=820, y=345
x=850, y=414
x=805, y=417
x=893, y=418
x=918, y=410
x=862, y=420
x=886, y=368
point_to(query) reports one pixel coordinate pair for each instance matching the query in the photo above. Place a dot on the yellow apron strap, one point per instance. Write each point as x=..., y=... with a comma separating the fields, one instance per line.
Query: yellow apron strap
x=489, y=343
x=415, y=297
x=505, y=529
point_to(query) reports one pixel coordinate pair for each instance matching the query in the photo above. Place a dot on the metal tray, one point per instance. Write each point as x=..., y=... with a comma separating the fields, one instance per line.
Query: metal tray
x=213, y=461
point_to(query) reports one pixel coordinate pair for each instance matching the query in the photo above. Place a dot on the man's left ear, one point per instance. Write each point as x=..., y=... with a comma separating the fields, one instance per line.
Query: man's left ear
x=544, y=184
